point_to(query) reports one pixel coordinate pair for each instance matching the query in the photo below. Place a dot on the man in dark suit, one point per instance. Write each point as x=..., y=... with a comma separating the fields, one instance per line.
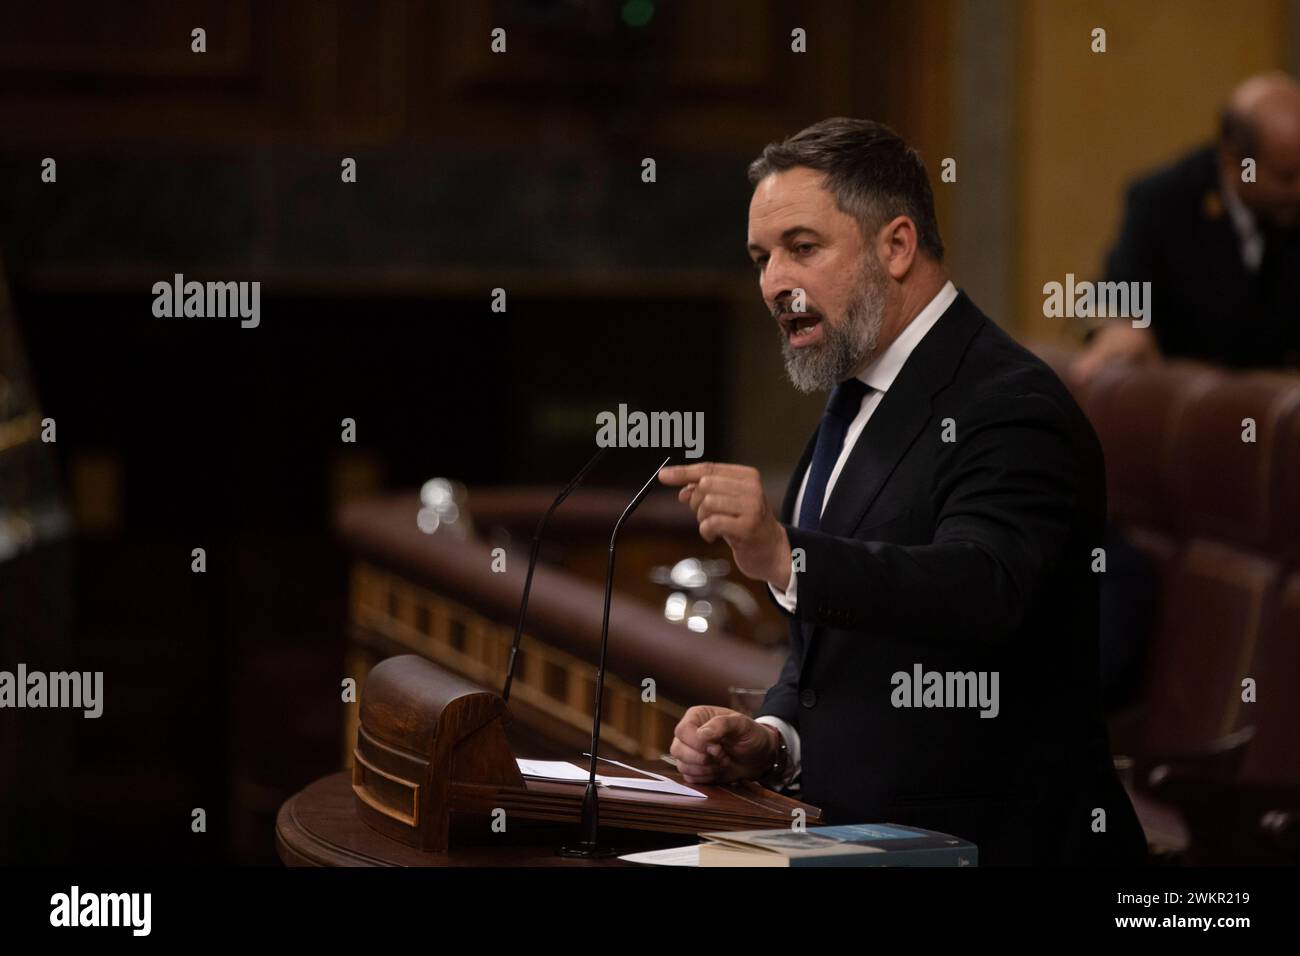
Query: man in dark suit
x=1217, y=234
x=934, y=549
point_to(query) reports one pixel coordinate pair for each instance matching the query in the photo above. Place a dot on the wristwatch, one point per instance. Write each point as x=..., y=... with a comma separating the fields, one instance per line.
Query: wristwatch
x=774, y=776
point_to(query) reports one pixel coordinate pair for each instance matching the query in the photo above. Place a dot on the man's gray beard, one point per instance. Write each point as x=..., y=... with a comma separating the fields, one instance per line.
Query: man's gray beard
x=844, y=347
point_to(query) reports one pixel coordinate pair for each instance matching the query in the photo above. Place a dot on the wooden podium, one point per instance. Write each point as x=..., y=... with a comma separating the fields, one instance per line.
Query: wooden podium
x=433, y=769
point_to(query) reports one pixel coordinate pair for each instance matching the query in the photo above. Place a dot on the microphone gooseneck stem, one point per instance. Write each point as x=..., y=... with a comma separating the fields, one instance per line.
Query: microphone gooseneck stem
x=591, y=801
x=532, y=565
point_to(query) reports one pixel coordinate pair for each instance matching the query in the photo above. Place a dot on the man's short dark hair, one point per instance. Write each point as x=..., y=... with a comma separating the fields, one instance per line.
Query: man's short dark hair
x=872, y=173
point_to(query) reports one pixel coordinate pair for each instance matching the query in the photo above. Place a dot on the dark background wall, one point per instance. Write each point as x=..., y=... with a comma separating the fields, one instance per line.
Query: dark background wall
x=474, y=172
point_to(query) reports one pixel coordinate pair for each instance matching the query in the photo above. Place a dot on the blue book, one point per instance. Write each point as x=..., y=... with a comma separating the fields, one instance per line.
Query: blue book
x=862, y=844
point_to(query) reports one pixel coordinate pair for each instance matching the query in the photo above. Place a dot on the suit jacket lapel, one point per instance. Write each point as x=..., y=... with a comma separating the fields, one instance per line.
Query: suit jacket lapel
x=787, y=515
x=900, y=417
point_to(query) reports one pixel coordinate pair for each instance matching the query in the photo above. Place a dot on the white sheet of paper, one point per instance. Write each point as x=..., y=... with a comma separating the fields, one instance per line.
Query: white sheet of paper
x=673, y=856
x=552, y=770
x=567, y=772
x=658, y=786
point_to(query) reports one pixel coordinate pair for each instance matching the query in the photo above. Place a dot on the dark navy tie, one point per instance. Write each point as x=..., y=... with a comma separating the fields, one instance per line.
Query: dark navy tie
x=842, y=407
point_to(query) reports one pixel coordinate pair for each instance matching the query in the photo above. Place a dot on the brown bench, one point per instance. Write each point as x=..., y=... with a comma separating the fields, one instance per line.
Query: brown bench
x=1220, y=519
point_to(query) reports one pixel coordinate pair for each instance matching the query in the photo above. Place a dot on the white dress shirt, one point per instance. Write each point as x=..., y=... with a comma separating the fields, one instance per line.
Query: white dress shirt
x=1243, y=222
x=880, y=375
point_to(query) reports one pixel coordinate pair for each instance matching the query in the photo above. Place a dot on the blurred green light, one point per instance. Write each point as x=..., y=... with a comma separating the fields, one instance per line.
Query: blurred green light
x=637, y=13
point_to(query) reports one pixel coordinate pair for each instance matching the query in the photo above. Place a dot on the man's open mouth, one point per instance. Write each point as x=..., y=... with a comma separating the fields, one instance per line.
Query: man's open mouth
x=801, y=328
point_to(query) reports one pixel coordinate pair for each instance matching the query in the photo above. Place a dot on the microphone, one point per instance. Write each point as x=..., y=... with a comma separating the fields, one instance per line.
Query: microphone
x=587, y=843
x=532, y=564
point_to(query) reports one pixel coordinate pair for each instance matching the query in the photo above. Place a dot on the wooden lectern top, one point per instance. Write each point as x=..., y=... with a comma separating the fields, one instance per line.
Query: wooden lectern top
x=432, y=746
x=319, y=826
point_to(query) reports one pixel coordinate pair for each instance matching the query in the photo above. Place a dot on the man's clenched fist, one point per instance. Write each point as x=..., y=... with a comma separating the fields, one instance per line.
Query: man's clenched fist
x=717, y=745
x=729, y=503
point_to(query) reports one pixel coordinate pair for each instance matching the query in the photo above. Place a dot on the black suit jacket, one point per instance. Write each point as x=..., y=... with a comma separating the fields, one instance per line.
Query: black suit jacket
x=1206, y=304
x=964, y=556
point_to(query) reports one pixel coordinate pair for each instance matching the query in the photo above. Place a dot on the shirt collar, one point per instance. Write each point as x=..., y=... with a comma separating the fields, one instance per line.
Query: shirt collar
x=884, y=368
x=1243, y=220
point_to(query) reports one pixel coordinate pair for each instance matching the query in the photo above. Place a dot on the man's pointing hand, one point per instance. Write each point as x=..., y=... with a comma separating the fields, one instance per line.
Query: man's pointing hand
x=729, y=503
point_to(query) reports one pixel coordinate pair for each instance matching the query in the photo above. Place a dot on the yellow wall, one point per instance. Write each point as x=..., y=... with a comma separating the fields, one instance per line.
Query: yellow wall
x=1088, y=123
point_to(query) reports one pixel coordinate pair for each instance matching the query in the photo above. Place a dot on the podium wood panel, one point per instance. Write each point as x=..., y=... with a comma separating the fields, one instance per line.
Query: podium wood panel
x=319, y=826
x=432, y=756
